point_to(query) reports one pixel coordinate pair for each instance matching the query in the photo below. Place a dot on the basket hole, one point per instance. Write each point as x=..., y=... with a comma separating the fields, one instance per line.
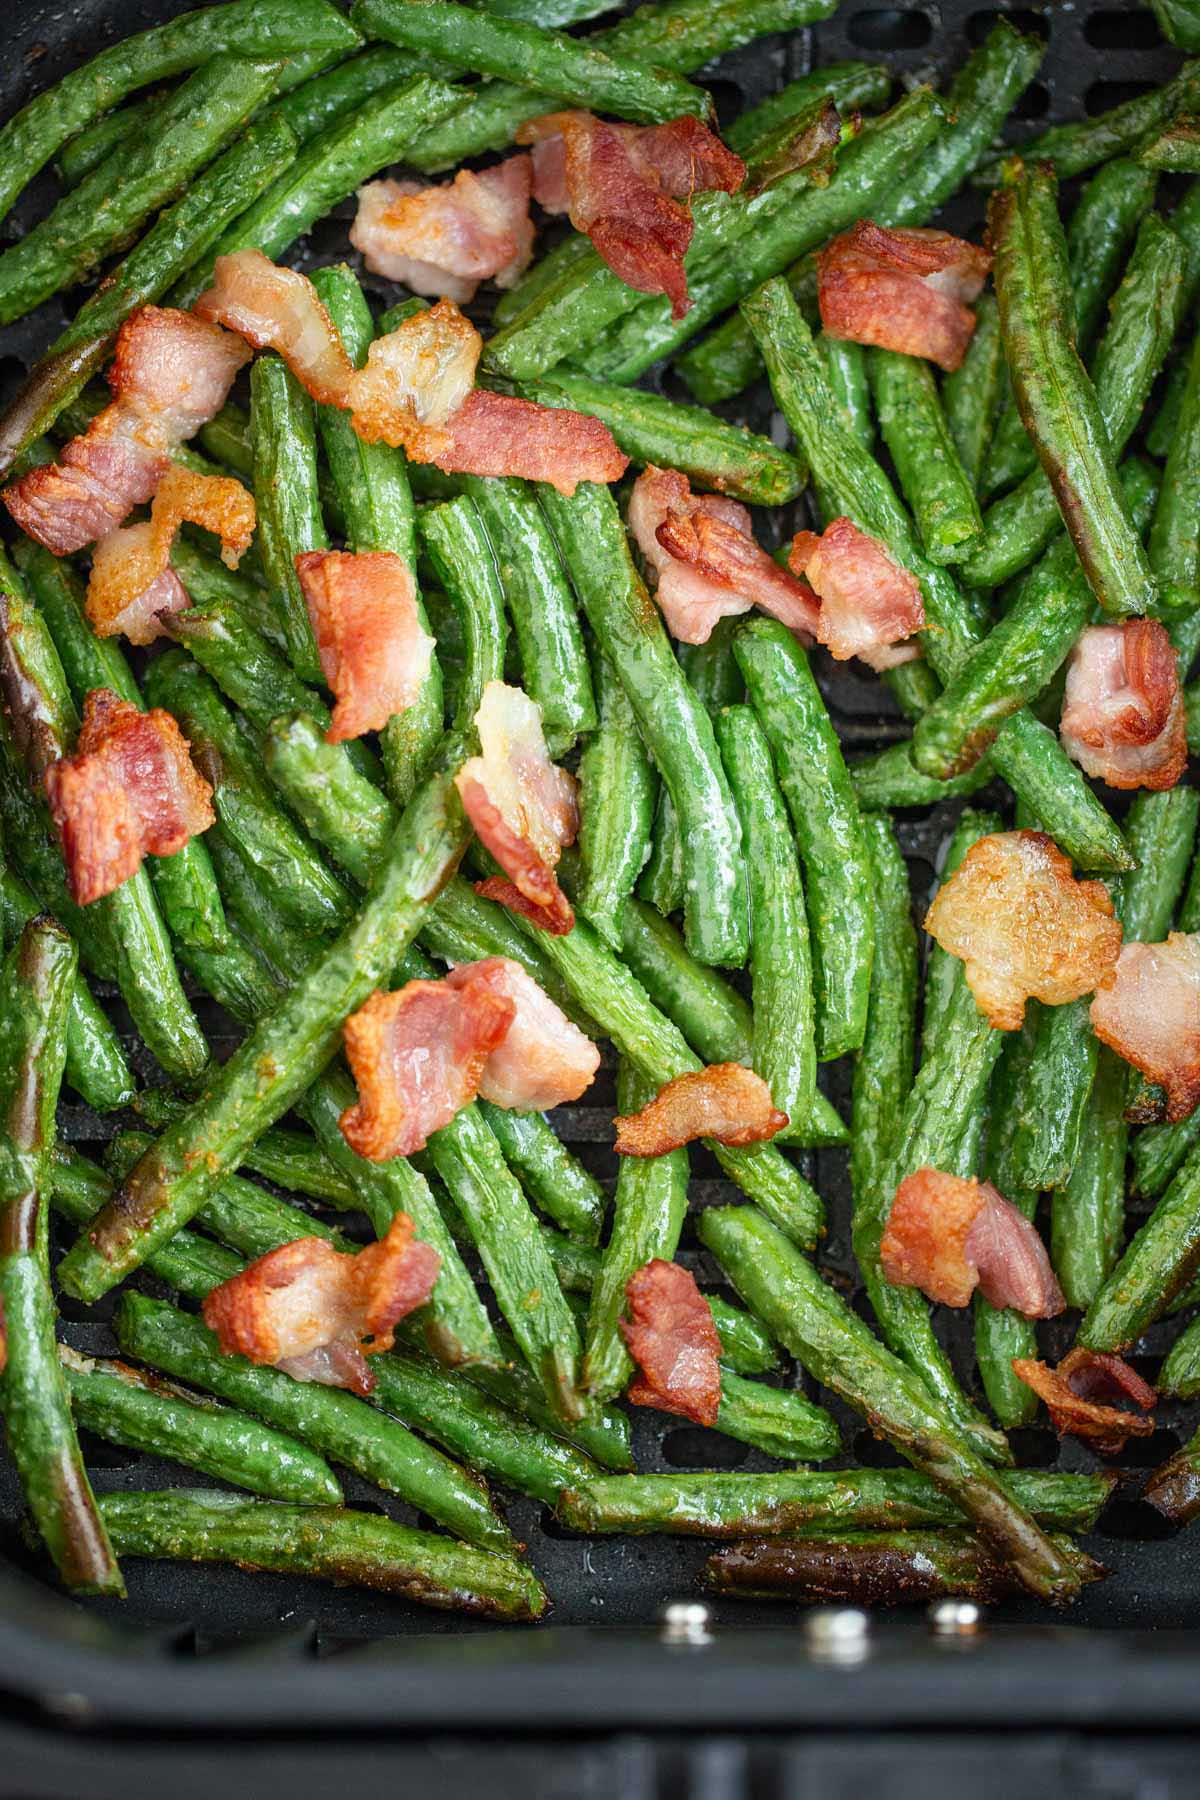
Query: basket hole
x=99, y=1454
x=1105, y=94
x=877, y=1453
x=696, y=1448
x=1028, y=20
x=1147, y=1452
x=891, y=28
x=1034, y=103
x=1034, y=1447
x=1121, y=31
x=1127, y=1516
x=728, y=99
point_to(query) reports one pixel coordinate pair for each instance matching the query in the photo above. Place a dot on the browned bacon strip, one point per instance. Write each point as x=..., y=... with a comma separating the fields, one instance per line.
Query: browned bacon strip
x=130, y=790
x=671, y=1336
x=947, y=1236
x=278, y=309
x=170, y=374
x=501, y=434
x=364, y=616
x=903, y=289
x=869, y=604
x=1150, y=1015
x=623, y=185
x=544, y=1059
x=1122, y=714
x=316, y=1313
x=444, y=240
x=725, y=1101
x=415, y=379
x=1079, y=1396
x=1024, y=927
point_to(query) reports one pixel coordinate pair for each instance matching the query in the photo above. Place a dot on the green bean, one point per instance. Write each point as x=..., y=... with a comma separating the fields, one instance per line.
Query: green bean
x=1180, y=1374
x=603, y=985
x=675, y=728
x=734, y=1504
x=540, y=606
x=1088, y=1215
x=36, y=979
x=110, y=205
x=560, y=1185
x=883, y=1068
x=455, y=540
x=652, y=429
x=572, y=70
x=1074, y=148
x=1174, y=547
x=827, y=824
x=616, y=803
x=330, y=95
x=1158, y=1263
x=979, y=101
x=95, y=1066
x=661, y=882
x=836, y=1348
x=331, y=1543
x=184, y=884
x=285, y=492
x=972, y=395
x=1178, y=22
x=923, y=452
x=1026, y=754
x=1099, y=235
x=1174, y=1487
x=649, y=1208
x=784, y=1046
x=779, y=1421
x=124, y=1406
x=1079, y=428
x=890, y=779
x=123, y=933
x=180, y=235
x=291, y=1159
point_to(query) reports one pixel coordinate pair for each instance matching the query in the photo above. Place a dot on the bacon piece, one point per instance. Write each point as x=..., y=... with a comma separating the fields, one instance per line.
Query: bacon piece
x=501, y=434
x=417, y=1057
x=443, y=240
x=414, y=380
x=544, y=1059
x=948, y=1236
x=724, y=1101
x=373, y=650
x=1079, y=1396
x=1123, y=717
x=869, y=603
x=523, y=808
x=506, y=893
x=671, y=1336
x=317, y=1313
x=1024, y=927
x=170, y=374
x=1150, y=1015
x=130, y=790
x=707, y=566
x=623, y=184
x=902, y=289
x=131, y=583
x=279, y=309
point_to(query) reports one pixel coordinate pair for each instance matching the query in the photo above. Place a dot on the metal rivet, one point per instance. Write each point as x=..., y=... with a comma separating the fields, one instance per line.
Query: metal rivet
x=954, y=1618
x=72, y=1709
x=686, y=1622
x=838, y=1634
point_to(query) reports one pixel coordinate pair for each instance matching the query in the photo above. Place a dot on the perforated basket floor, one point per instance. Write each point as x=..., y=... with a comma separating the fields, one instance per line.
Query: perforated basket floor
x=1095, y=57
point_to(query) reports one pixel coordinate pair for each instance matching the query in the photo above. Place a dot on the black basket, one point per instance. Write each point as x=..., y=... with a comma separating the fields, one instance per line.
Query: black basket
x=197, y=1652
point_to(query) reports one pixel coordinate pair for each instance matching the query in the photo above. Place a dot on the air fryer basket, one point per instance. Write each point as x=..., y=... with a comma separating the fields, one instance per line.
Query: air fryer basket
x=276, y=1652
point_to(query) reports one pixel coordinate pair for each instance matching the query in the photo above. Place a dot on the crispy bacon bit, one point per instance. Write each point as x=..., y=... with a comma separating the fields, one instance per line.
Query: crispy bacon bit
x=501, y=434
x=170, y=374
x=131, y=583
x=415, y=379
x=507, y=894
x=902, y=289
x=364, y=616
x=725, y=1101
x=671, y=1336
x=417, y=1057
x=1123, y=717
x=623, y=185
x=1150, y=1015
x=947, y=1236
x=316, y=1313
x=444, y=240
x=1079, y=1396
x=130, y=790
x=544, y=1060
x=278, y=309
x=1024, y=927
x=870, y=604
x=706, y=564
x=523, y=808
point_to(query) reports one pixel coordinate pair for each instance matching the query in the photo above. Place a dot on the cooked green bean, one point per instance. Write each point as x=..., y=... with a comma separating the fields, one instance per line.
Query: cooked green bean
x=890, y=779
x=779, y=1421
x=1002, y=1333
x=285, y=492
x=921, y=445
x=617, y=789
x=557, y=1181
x=883, y=1068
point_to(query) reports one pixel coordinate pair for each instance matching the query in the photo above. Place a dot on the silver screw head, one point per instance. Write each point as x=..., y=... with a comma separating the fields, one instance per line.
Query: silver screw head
x=838, y=1634
x=954, y=1618
x=686, y=1622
